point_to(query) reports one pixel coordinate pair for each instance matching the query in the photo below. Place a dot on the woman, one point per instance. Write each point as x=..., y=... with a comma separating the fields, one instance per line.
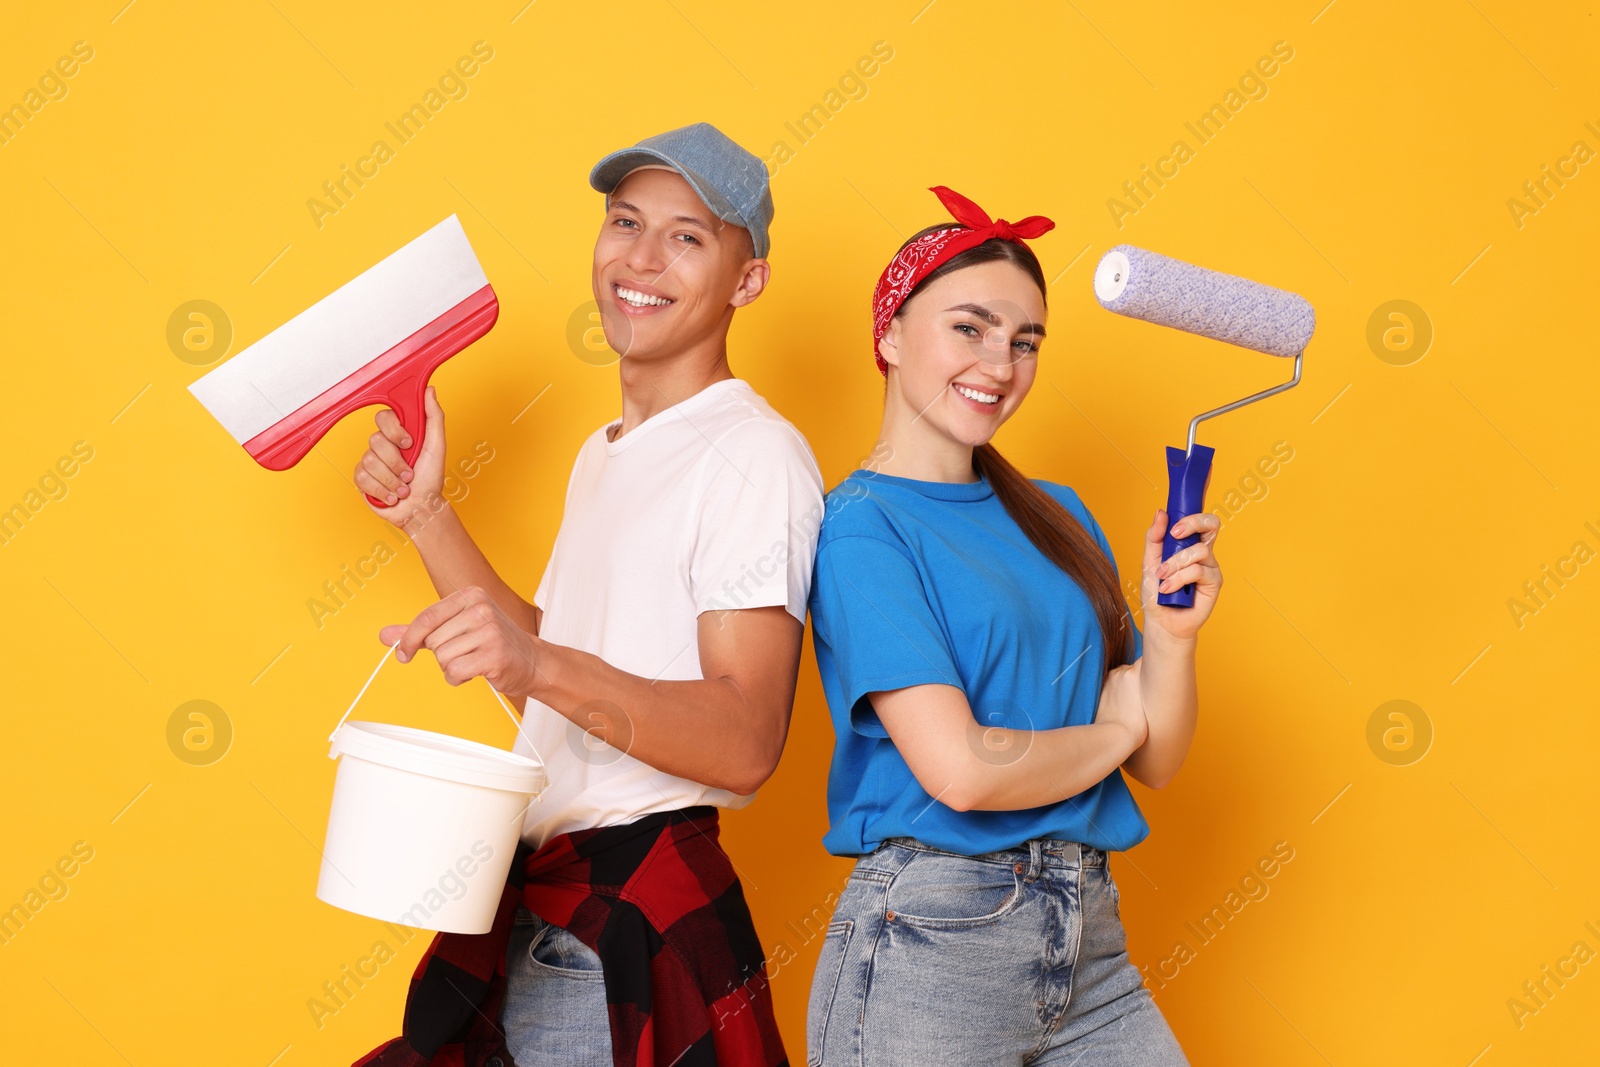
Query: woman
x=986, y=684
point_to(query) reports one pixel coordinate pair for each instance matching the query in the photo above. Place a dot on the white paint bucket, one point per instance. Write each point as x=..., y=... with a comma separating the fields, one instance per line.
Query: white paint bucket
x=423, y=825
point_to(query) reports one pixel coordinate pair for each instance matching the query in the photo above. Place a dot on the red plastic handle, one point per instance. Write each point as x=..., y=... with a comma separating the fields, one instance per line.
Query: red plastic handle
x=405, y=394
x=398, y=379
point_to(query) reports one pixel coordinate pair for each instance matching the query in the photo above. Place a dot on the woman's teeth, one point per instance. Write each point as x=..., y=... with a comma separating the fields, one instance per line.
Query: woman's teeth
x=640, y=300
x=982, y=398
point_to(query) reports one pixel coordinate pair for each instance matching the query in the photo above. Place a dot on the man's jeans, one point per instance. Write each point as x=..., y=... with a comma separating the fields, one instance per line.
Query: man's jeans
x=1012, y=957
x=555, y=1010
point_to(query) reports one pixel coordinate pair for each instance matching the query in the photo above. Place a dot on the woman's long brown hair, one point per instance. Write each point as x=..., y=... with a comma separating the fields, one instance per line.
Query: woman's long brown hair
x=1050, y=526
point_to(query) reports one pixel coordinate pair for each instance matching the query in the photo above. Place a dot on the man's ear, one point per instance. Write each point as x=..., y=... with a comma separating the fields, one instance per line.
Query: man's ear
x=889, y=344
x=757, y=273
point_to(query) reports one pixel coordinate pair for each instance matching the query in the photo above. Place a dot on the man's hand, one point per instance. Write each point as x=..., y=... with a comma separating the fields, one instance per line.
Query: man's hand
x=469, y=636
x=384, y=475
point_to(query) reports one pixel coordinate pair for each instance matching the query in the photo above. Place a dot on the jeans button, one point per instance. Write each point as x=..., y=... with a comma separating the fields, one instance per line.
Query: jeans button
x=494, y=1061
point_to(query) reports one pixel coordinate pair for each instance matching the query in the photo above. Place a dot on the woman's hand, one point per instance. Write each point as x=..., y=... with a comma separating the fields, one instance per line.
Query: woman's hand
x=469, y=636
x=382, y=474
x=1122, y=703
x=1197, y=564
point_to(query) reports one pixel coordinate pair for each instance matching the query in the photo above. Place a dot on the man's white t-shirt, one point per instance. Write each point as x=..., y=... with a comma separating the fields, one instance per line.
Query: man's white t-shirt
x=711, y=504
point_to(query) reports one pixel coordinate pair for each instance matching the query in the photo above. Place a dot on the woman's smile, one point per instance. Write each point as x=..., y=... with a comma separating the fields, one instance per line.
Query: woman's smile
x=978, y=399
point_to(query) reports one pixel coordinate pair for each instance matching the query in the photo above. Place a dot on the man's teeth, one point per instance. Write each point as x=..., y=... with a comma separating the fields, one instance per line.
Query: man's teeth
x=973, y=394
x=639, y=300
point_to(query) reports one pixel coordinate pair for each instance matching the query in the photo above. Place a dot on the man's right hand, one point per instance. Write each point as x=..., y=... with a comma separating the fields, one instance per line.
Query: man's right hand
x=384, y=475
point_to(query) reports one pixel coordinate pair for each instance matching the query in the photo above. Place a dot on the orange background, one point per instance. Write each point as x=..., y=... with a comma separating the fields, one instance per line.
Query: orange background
x=1427, y=484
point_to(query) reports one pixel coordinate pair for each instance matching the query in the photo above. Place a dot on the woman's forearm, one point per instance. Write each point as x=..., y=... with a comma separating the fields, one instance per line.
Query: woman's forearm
x=1007, y=770
x=967, y=766
x=1171, y=701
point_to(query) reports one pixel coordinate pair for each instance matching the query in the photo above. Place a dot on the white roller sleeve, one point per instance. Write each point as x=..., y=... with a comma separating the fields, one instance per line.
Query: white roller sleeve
x=1169, y=292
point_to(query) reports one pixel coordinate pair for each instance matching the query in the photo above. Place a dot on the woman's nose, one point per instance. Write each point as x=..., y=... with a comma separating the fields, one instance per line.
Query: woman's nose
x=998, y=364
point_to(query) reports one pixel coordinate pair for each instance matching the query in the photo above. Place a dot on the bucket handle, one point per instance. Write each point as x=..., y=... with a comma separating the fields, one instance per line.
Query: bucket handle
x=515, y=721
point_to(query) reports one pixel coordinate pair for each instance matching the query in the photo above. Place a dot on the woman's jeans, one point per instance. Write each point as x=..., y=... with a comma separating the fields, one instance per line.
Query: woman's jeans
x=1011, y=957
x=555, y=1010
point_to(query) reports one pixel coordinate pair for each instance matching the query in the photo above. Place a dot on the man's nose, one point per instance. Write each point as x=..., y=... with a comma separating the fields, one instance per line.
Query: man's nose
x=646, y=258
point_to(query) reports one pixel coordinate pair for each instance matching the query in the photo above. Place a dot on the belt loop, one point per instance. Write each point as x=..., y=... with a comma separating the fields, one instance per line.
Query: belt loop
x=1035, y=859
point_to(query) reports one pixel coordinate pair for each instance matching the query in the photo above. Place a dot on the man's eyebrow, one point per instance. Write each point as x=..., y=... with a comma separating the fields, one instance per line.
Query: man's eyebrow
x=994, y=320
x=691, y=220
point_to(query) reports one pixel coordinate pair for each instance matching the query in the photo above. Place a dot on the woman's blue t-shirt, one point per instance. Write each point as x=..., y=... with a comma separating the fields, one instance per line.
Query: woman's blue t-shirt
x=919, y=582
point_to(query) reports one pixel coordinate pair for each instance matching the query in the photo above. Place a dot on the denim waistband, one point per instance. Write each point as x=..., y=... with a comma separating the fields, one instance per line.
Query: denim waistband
x=1032, y=856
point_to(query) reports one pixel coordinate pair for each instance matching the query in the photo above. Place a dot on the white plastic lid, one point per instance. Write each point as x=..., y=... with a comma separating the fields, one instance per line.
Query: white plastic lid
x=453, y=759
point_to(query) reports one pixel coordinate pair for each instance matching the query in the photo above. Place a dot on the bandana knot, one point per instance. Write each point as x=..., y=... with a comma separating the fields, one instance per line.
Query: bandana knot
x=921, y=257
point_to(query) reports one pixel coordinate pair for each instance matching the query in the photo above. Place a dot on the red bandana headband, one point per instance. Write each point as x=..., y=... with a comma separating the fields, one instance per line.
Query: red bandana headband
x=918, y=259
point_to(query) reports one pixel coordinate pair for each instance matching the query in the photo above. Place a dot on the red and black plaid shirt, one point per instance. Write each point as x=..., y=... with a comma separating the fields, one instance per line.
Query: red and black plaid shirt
x=657, y=899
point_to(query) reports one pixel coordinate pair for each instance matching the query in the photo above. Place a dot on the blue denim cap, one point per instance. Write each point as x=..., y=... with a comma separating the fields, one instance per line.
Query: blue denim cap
x=732, y=182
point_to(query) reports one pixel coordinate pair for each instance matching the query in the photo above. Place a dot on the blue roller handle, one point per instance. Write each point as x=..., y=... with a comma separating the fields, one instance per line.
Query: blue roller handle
x=1187, y=476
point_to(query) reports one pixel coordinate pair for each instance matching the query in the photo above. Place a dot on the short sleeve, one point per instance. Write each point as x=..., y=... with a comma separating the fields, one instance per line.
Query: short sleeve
x=759, y=510
x=869, y=608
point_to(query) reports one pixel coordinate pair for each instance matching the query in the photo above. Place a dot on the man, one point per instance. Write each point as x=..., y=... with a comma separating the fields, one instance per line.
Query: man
x=656, y=664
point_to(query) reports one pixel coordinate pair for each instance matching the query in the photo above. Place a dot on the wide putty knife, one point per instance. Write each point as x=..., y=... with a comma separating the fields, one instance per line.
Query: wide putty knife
x=374, y=340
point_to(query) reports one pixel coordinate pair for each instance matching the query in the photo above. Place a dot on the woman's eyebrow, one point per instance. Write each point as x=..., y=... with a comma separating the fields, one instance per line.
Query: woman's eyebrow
x=994, y=320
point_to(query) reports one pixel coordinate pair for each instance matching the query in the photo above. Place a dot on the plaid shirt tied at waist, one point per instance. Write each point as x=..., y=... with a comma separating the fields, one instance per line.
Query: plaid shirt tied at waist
x=658, y=901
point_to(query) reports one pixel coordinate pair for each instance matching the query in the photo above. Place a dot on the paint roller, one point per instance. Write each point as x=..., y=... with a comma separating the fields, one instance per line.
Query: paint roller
x=374, y=340
x=1169, y=292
